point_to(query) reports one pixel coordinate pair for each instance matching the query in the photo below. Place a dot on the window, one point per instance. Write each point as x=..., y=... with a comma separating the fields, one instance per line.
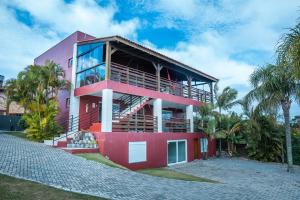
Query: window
x=116, y=109
x=203, y=145
x=67, y=102
x=70, y=63
x=177, y=151
x=167, y=114
x=90, y=64
x=137, y=152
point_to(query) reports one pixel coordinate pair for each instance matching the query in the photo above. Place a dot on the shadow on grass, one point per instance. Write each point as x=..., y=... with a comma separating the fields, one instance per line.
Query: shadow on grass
x=14, y=189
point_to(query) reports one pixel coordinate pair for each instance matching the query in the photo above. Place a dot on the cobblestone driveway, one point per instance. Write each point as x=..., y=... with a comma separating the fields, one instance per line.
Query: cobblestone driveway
x=241, y=179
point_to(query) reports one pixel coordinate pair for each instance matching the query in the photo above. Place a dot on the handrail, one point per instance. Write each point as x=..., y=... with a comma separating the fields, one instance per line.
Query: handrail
x=146, y=80
x=73, y=123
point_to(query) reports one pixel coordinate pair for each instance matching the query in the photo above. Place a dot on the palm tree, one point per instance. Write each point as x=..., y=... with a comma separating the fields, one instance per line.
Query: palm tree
x=224, y=101
x=207, y=119
x=289, y=50
x=275, y=86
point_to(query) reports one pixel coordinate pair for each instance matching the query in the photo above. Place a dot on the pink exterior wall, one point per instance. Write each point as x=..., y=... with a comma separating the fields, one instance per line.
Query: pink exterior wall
x=60, y=54
x=115, y=146
x=129, y=89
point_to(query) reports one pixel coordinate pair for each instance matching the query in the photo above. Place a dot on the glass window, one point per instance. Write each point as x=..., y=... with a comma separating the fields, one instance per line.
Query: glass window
x=166, y=114
x=177, y=151
x=91, y=57
x=87, y=47
x=90, y=76
x=70, y=62
x=172, y=152
x=203, y=145
x=100, y=73
x=181, y=151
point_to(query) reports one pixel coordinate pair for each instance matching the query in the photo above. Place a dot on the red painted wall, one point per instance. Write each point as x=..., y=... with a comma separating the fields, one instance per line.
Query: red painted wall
x=92, y=116
x=60, y=54
x=115, y=146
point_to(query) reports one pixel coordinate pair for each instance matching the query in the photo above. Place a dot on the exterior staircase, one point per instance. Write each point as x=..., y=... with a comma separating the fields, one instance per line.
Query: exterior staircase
x=72, y=139
x=130, y=105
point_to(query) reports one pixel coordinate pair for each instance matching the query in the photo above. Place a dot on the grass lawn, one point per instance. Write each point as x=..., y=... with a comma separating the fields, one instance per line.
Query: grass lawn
x=160, y=172
x=101, y=159
x=14, y=189
x=19, y=134
x=171, y=174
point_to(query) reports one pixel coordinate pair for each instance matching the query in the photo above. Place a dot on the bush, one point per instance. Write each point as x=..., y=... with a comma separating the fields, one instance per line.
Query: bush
x=41, y=121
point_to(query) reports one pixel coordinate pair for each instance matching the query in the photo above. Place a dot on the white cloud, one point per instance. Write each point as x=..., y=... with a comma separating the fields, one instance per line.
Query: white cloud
x=208, y=60
x=53, y=20
x=218, y=30
x=85, y=15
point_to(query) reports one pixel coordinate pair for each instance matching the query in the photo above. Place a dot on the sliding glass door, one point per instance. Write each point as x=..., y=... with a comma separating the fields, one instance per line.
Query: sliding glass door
x=177, y=151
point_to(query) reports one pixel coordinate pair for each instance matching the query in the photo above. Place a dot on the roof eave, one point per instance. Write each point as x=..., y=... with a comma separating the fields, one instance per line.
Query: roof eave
x=151, y=52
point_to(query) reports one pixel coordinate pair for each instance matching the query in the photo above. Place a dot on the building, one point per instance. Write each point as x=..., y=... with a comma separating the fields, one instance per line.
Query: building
x=14, y=108
x=138, y=103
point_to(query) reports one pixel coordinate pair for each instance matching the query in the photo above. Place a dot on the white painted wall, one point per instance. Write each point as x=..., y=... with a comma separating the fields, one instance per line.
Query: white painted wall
x=157, y=112
x=107, y=102
x=189, y=115
x=74, y=101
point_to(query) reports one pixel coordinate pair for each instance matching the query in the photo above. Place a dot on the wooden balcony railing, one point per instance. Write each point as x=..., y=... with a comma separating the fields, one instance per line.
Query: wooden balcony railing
x=176, y=125
x=146, y=80
x=134, y=123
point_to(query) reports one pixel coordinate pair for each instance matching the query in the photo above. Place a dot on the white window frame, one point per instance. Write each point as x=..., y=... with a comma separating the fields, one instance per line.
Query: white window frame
x=169, y=141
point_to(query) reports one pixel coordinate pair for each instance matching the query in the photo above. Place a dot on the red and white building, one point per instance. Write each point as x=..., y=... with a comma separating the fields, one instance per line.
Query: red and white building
x=139, y=104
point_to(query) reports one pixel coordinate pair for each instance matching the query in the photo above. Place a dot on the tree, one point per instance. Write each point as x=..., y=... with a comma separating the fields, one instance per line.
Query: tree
x=36, y=89
x=289, y=50
x=224, y=101
x=207, y=119
x=275, y=86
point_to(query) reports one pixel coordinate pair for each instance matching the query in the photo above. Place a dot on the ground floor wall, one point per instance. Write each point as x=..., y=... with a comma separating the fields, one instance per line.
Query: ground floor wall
x=115, y=146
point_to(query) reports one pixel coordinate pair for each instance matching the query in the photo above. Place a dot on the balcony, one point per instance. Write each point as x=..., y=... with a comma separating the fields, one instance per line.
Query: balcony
x=131, y=76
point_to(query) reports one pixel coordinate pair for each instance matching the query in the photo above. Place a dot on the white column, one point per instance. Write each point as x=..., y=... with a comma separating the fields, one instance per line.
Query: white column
x=157, y=112
x=189, y=115
x=107, y=102
x=74, y=101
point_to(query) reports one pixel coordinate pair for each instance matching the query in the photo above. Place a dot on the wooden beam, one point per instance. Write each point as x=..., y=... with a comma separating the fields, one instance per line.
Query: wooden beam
x=189, y=80
x=211, y=92
x=158, y=68
x=113, y=51
x=107, y=61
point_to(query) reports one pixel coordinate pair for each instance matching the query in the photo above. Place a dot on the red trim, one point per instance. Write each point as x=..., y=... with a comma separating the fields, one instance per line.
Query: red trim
x=129, y=89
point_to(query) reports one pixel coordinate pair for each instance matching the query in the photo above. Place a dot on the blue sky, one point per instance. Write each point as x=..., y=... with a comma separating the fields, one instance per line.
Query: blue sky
x=227, y=39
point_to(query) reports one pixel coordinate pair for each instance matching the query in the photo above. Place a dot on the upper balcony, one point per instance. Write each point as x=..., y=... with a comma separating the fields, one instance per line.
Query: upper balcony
x=123, y=61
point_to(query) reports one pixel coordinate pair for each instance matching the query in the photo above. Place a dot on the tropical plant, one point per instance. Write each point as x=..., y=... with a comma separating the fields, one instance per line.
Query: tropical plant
x=267, y=144
x=36, y=89
x=41, y=120
x=289, y=50
x=207, y=122
x=224, y=101
x=275, y=86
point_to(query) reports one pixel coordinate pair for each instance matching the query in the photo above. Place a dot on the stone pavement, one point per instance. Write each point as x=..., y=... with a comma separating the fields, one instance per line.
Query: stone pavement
x=241, y=179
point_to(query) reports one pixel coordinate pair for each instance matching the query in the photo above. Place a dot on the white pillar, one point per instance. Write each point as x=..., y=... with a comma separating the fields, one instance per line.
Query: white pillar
x=74, y=101
x=107, y=102
x=189, y=115
x=157, y=112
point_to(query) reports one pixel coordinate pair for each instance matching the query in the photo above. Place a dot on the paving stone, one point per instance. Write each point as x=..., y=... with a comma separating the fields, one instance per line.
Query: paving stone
x=241, y=179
